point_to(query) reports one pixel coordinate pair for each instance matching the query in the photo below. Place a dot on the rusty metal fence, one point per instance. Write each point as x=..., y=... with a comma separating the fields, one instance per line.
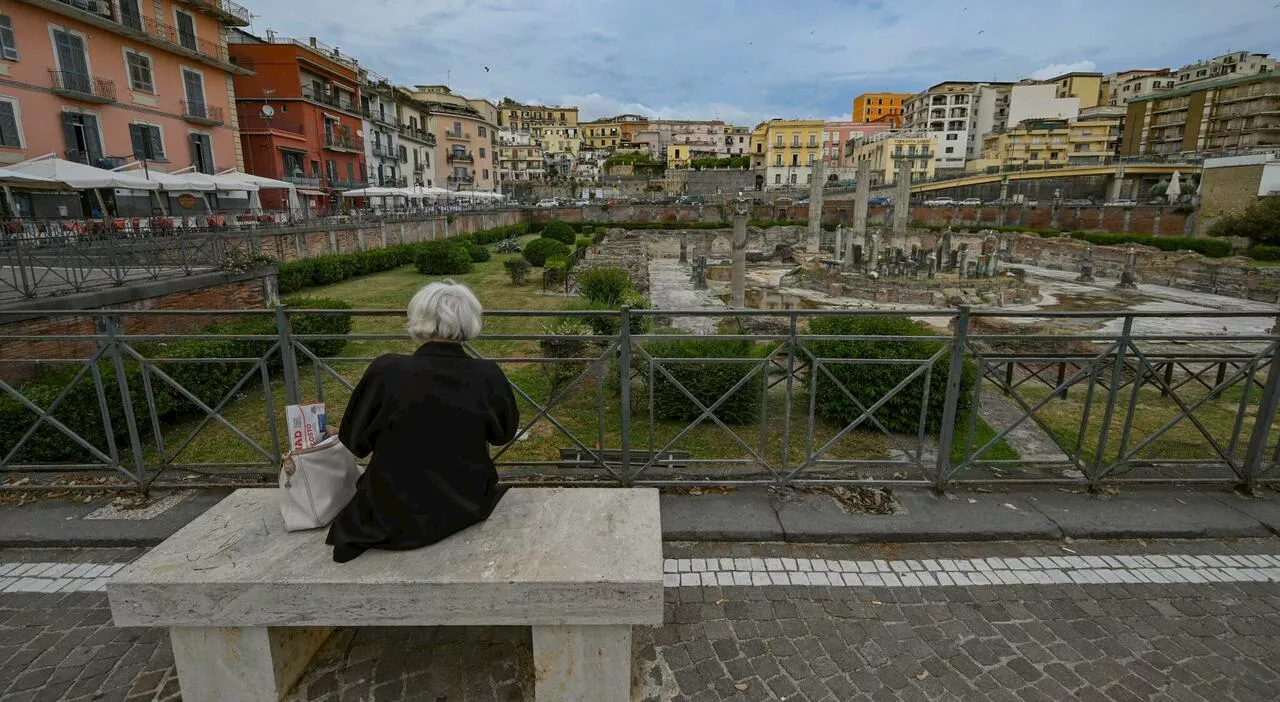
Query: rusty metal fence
x=1075, y=398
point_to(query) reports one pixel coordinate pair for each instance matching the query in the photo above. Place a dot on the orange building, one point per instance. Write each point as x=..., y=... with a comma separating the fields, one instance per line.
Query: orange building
x=104, y=83
x=299, y=116
x=879, y=107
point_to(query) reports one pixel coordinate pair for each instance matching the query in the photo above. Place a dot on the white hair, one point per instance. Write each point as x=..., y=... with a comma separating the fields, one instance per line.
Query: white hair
x=444, y=310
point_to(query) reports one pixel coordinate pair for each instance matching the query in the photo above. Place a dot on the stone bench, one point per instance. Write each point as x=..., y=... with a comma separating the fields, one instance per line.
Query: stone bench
x=248, y=604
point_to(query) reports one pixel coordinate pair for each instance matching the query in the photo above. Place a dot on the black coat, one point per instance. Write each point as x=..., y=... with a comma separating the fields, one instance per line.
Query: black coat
x=428, y=420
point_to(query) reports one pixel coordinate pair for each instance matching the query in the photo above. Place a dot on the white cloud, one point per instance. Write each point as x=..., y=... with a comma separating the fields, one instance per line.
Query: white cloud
x=1057, y=69
x=594, y=106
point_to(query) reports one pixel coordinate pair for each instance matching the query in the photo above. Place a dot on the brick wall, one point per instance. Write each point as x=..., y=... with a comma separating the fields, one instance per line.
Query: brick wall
x=247, y=293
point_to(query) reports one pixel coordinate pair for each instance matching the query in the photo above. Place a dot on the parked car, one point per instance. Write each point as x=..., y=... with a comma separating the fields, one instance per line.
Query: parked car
x=879, y=202
x=940, y=202
x=1121, y=203
x=971, y=202
x=1078, y=202
x=547, y=203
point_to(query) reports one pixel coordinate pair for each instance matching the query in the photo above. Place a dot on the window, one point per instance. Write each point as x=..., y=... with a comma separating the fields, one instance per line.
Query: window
x=84, y=141
x=777, y=178
x=1035, y=155
x=778, y=160
x=793, y=178
x=139, y=68
x=202, y=153
x=129, y=14
x=779, y=142
x=10, y=131
x=795, y=140
x=73, y=61
x=813, y=140
x=952, y=137
x=950, y=149
x=292, y=164
x=147, y=142
x=186, y=29
x=8, y=45
x=486, y=174
x=193, y=87
x=351, y=172
x=482, y=149
x=481, y=131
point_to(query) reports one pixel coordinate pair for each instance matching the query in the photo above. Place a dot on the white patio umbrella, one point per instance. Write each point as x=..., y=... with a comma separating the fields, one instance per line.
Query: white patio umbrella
x=81, y=176
x=168, y=181
x=1175, y=187
x=264, y=183
x=17, y=179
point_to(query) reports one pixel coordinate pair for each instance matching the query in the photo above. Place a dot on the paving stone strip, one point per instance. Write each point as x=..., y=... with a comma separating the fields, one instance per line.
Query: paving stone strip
x=56, y=577
x=1028, y=570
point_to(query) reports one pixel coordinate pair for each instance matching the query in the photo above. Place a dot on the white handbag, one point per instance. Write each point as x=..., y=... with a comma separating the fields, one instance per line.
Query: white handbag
x=316, y=483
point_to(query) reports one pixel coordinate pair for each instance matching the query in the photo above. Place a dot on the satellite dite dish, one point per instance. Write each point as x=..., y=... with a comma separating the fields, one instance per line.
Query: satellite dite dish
x=267, y=112
x=360, y=133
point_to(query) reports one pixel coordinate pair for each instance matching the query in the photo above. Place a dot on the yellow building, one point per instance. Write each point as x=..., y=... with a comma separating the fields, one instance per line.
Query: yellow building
x=1086, y=87
x=554, y=127
x=784, y=151
x=611, y=133
x=887, y=150
x=874, y=107
x=1049, y=143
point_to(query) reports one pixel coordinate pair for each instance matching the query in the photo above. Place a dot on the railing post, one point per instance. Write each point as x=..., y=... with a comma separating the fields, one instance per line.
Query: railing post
x=1113, y=391
x=113, y=327
x=1267, y=406
x=951, y=400
x=287, y=358
x=624, y=395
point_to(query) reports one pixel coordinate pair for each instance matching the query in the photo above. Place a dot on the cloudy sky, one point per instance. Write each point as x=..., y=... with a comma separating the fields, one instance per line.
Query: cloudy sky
x=748, y=60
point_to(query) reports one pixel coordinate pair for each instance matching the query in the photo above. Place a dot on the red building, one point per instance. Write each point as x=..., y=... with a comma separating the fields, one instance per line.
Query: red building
x=299, y=117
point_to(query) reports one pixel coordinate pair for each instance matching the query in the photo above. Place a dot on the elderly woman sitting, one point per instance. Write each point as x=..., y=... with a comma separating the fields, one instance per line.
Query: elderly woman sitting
x=428, y=420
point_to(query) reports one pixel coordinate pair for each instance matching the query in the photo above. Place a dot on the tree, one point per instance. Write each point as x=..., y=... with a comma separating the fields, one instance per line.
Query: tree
x=1259, y=222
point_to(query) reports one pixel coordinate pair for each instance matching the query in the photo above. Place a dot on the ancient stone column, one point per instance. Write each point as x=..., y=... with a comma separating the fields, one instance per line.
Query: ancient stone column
x=700, y=273
x=861, y=196
x=738, y=285
x=684, y=247
x=1129, y=276
x=839, y=247
x=1086, y=266
x=946, y=247
x=902, y=203
x=817, y=178
x=872, y=257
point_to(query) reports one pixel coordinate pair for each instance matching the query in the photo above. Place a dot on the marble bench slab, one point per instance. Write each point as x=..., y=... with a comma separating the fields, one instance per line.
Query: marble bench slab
x=546, y=557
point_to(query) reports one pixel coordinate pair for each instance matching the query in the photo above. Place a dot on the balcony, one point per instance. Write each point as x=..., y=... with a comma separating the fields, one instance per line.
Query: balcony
x=226, y=11
x=377, y=116
x=384, y=150
x=253, y=123
x=200, y=113
x=461, y=157
x=302, y=181
x=461, y=179
x=342, y=184
x=332, y=98
x=102, y=14
x=342, y=142
x=82, y=87
x=418, y=134
x=459, y=136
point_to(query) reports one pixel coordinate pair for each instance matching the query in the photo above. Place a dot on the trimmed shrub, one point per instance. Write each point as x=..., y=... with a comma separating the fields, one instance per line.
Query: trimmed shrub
x=320, y=324
x=870, y=382
x=478, y=253
x=709, y=381
x=539, y=250
x=1263, y=252
x=560, y=231
x=1212, y=248
x=443, y=257
x=604, y=285
x=517, y=269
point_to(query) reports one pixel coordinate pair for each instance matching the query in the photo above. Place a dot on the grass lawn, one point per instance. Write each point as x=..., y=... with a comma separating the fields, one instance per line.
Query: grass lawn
x=590, y=411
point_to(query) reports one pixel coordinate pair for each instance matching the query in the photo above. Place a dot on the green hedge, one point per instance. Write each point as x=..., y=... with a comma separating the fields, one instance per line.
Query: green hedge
x=560, y=231
x=478, y=253
x=607, y=286
x=608, y=326
x=208, y=381
x=869, y=382
x=539, y=250
x=1211, y=248
x=443, y=257
x=709, y=381
x=1264, y=252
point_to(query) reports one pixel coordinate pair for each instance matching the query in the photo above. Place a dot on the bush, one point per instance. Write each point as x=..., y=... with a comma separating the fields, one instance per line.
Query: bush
x=604, y=285
x=555, y=270
x=443, y=257
x=709, y=381
x=1259, y=222
x=870, y=382
x=1212, y=248
x=478, y=253
x=560, y=231
x=583, y=242
x=517, y=269
x=1263, y=252
x=539, y=250
x=608, y=326
x=320, y=324
x=565, y=371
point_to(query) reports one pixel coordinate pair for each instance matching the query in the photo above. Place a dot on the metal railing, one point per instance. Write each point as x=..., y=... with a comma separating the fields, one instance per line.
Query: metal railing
x=201, y=112
x=167, y=33
x=82, y=86
x=228, y=9
x=333, y=98
x=344, y=142
x=1115, y=396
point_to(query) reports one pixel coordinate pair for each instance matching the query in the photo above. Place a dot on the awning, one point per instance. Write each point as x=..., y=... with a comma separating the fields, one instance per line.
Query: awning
x=19, y=179
x=168, y=182
x=225, y=184
x=234, y=176
x=81, y=176
x=309, y=191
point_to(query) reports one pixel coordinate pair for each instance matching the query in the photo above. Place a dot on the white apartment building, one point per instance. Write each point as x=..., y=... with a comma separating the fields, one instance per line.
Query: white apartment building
x=1121, y=87
x=949, y=112
x=417, y=138
x=1038, y=101
x=1236, y=64
x=384, y=156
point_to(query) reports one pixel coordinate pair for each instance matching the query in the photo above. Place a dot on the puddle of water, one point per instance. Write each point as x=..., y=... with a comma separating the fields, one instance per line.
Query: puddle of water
x=758, y=299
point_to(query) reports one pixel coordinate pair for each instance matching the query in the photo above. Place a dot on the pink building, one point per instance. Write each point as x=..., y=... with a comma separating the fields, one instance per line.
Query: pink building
x=835, y=134
x=105, y=83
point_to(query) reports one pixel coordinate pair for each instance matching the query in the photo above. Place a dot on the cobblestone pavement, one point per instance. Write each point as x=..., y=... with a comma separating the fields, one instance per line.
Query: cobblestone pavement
x=1073, y=632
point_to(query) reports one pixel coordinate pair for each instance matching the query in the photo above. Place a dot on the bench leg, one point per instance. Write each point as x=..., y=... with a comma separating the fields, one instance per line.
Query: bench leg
x=582, y=663
x=250, y=664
